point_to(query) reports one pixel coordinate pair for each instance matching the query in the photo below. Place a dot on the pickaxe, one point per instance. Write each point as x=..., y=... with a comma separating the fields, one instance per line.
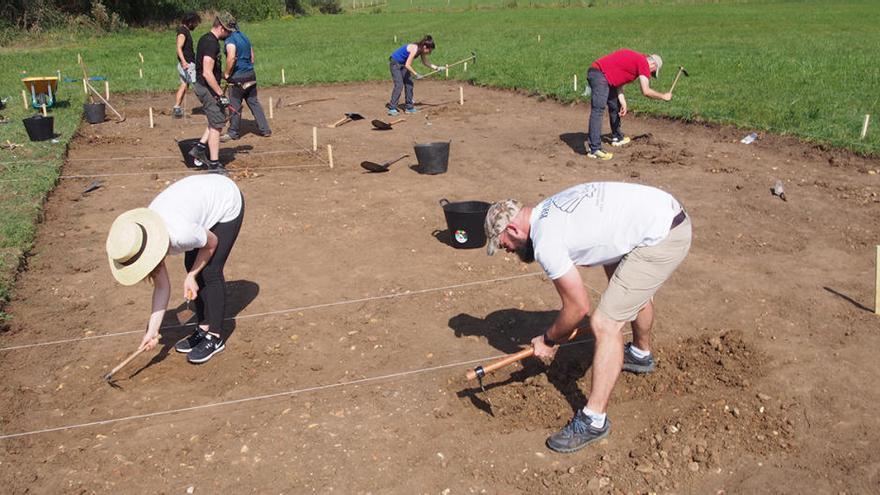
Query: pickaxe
x=472, y=57
x=480, y=371
x=681, y=70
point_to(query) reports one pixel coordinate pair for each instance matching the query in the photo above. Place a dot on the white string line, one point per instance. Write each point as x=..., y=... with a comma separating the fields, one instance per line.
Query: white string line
x=189, y=172
x=316, y=388
x=281, y=311
x=166, y=157
x=176, y=171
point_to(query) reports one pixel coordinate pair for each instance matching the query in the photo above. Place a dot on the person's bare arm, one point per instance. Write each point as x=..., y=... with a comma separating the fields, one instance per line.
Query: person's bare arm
x=645, y=85
x=427, y=63
x=409, y=61
x=575, y=308
x=181, y=39
x=230, y=60
x=208, y=74
x=190, y=286
x=161, y=296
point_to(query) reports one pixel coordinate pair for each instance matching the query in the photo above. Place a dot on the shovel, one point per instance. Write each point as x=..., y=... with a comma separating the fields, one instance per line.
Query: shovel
x=349, y=116
x=380, y=167
x=385, y=126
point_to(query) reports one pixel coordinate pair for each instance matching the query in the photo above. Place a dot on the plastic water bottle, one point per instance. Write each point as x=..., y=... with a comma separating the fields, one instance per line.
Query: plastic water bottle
x=751, y=138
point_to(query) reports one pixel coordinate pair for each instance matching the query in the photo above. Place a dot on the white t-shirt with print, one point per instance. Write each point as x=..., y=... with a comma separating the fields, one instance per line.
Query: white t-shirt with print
x=191, y=206
x=597, y=223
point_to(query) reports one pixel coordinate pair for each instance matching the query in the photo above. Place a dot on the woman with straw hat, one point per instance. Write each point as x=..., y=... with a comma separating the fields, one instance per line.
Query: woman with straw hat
x=200, y=216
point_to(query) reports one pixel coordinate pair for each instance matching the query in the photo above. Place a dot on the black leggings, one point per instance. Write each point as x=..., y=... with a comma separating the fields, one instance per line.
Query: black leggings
x=211, y=301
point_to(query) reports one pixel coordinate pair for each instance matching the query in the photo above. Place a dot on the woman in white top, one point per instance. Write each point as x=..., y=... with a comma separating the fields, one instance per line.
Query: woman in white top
x=200, y=216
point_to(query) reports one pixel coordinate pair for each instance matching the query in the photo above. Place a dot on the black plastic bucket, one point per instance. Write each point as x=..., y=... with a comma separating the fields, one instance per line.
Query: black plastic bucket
x=465, y=221
x=95, y=112
x=433, y=157
x=185, y=145
x=39, y=128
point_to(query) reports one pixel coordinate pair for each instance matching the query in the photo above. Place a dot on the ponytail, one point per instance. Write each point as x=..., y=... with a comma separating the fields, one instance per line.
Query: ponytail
x=426, y=42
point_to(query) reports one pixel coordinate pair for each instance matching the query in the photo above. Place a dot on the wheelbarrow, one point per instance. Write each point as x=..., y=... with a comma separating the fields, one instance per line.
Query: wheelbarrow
x=43, y=90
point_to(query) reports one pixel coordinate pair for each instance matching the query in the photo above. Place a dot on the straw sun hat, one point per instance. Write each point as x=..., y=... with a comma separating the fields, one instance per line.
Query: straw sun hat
x=137, y=242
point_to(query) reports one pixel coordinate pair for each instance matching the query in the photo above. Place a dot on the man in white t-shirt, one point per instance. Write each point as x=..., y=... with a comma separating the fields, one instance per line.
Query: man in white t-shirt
x=639, y=235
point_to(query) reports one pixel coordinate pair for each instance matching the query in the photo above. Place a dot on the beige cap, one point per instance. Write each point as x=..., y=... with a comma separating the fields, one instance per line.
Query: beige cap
x=500, y=214
x=658, y=62
x=137, y=242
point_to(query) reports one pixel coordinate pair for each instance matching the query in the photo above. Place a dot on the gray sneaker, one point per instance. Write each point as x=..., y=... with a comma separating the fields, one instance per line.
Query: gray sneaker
x=636, y=365
x=577, y=434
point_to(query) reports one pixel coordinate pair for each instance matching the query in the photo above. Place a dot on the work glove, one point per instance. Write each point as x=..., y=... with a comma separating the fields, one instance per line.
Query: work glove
x=419, y=76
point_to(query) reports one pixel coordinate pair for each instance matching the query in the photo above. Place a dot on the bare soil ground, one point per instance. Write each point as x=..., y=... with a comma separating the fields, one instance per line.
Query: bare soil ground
x=348, y=297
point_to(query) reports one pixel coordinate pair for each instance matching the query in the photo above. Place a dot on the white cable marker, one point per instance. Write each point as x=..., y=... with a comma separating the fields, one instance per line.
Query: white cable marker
x=290, y=310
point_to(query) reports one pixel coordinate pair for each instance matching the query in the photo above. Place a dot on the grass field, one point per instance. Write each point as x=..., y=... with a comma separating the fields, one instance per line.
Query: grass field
x=801, y=68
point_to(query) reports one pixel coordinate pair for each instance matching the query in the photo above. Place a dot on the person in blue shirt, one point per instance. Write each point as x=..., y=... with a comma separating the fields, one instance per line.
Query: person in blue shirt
x=242, y=85
x=402, y=71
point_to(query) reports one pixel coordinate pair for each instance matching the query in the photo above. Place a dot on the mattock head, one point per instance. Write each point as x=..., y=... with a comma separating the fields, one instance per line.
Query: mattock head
x=480, y=372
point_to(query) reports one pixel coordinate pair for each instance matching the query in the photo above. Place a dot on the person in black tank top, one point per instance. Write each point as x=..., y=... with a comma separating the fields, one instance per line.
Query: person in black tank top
x=186, y=59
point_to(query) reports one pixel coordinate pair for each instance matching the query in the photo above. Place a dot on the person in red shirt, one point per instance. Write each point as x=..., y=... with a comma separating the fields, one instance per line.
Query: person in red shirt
x=607, y=76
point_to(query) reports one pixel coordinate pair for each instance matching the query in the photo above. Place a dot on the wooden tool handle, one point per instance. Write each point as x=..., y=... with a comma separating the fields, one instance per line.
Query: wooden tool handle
x=340, y=121
x=118, y=115
x=675, y=81
x=396, y=121
x=510, y=359
x=121, y=365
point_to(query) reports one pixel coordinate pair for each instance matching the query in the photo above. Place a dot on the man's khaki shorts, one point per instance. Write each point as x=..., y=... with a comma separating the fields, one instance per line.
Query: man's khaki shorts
x=641, y=272
x=216, y=116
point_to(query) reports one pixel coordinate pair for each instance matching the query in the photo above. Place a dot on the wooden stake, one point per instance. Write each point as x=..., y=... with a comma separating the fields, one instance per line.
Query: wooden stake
x=465, y=66
x=141, y=73
x=461, y=95
x=283, y=79
x=79, y=59
x=43, y=107
x=877, y=284
x=85, y=85
x=575, y=82
x=24, y=99
x=447, y=72
x=865, y=126
x=151, y=117
x=330, y=155
x=106, y=90
x=395, y=38
x=314, y=139
x=141, y=55
x=271, y=109
x=539, y=38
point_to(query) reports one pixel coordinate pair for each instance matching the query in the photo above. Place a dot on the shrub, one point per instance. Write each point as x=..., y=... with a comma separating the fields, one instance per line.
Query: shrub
x=327, y=6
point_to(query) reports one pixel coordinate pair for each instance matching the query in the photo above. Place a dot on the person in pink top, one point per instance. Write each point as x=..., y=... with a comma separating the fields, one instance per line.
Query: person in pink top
x=607, y=76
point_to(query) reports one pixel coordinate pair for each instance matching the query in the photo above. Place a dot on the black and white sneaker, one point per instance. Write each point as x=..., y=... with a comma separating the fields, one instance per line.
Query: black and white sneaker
x=187, y=344
x=205, y=349
x=637, y=365
x=577, y=434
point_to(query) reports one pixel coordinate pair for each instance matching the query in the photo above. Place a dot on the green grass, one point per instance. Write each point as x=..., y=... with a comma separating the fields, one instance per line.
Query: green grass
x=807, y=69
